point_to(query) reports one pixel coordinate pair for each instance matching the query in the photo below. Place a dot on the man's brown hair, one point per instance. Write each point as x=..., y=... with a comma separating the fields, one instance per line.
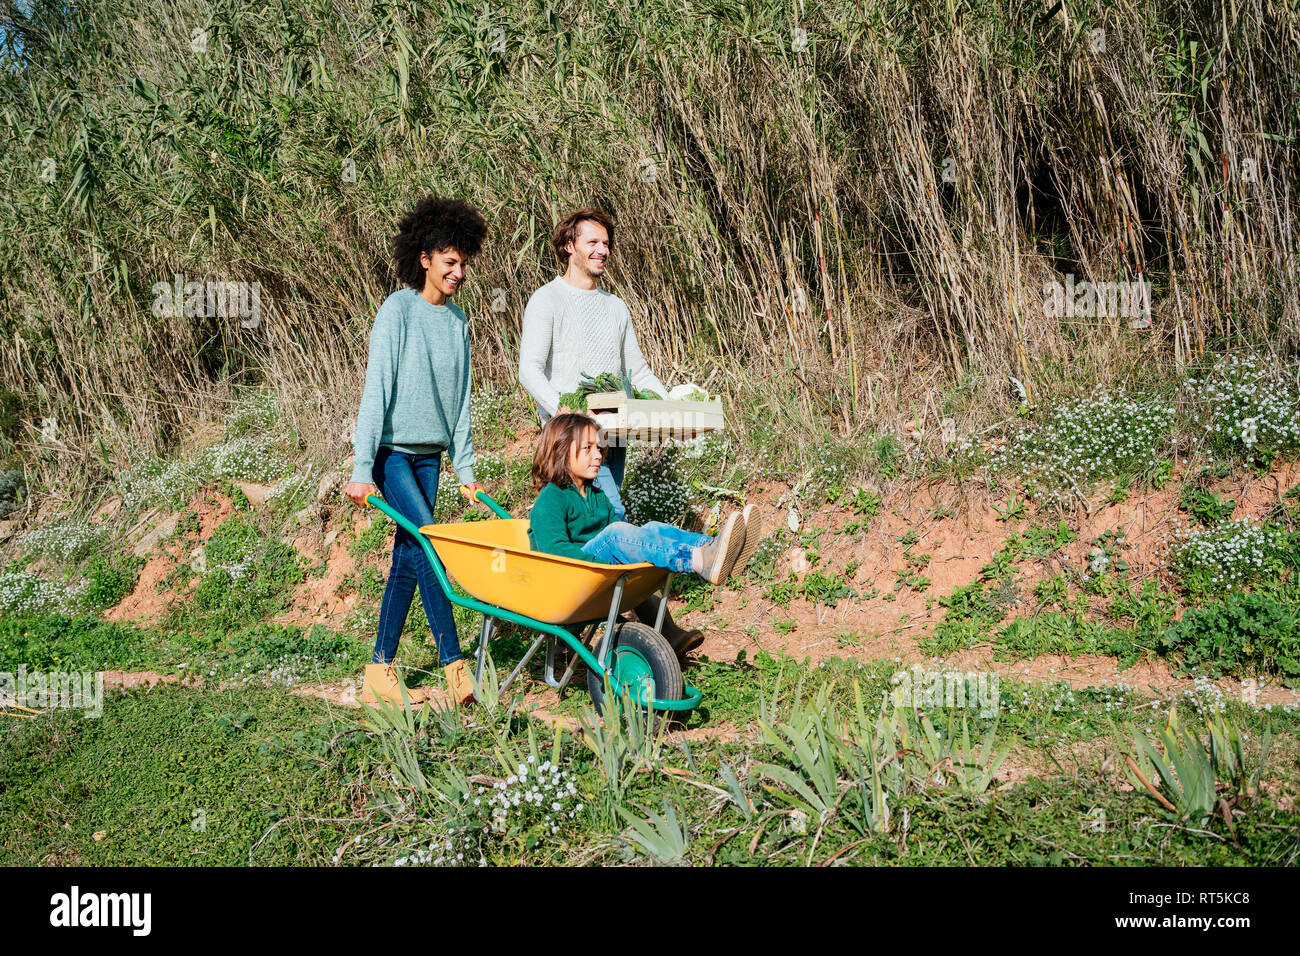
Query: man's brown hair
x=551, y=460
x=567, y=231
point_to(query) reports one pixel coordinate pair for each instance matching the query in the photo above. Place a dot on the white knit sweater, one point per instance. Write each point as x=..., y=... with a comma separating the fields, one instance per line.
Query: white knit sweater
x=570, y=331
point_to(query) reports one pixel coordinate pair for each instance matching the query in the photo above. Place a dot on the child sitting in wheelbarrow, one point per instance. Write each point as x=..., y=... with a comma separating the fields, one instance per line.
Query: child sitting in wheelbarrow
x=573, y=519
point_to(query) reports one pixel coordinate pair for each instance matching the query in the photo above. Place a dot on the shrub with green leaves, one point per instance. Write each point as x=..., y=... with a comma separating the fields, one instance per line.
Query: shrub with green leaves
x=1245, y=633
x=1108, y=436
x=24, y=593
x=260, y=458
x=11, y=491
x=247, y=574
x=253, y=413
x=1206, y=506
x=1248, y=405
x=151, y=481
x=70, y=642
x=1230, y=556
x=62, y=542
x=655, y=488
x=109, y=580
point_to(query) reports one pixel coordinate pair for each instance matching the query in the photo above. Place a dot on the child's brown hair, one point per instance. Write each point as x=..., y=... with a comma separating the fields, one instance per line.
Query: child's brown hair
x=551, y=460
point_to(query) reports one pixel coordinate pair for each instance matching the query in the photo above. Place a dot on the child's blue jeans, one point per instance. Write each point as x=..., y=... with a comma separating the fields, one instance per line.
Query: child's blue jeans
x=410, y=484
x=661, y=544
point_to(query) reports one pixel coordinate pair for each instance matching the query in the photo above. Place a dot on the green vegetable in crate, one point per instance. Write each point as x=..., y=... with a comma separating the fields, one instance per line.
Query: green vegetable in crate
x=604, y=382
x=576, y=401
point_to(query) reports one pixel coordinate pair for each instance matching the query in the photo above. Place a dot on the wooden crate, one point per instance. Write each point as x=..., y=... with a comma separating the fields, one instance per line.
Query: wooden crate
x=648, y=421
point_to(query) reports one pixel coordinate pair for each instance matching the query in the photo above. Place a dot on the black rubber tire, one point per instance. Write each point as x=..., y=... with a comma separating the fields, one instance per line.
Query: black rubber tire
x=657, y=652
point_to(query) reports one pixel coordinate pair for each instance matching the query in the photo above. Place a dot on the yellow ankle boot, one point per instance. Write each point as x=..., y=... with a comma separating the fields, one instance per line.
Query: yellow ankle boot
x=383, y=683
x=460, y=685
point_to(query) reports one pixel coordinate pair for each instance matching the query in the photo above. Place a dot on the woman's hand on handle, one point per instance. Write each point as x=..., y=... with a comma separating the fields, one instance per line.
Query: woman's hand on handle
x=469, y=491
x=357, y=491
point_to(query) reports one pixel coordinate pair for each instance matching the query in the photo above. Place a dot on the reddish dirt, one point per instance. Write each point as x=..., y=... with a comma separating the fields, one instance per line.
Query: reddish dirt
x=316, y=600
x=523, y=444
x=213, y=508
x=957, y=527
x=343, y=694
x=128, y=680
x=958, y=546
x=145, y=603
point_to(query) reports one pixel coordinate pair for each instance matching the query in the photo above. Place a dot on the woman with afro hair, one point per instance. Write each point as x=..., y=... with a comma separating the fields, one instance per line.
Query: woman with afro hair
x=415, y=406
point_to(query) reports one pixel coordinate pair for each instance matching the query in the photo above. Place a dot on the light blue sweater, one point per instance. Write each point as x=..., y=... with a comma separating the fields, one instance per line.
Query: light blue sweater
x=416, y=398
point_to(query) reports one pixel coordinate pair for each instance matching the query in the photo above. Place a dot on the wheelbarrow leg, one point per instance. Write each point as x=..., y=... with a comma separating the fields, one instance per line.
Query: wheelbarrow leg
x=607, y=640
x=484, y=635
x=551, y=643
x=522, y=664
x=663, y=604
x=551, y=649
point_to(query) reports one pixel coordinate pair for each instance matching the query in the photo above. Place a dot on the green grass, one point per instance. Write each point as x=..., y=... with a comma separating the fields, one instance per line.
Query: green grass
x=248, y=575
x=279, y=652
x=175, y=776
x=191, y=776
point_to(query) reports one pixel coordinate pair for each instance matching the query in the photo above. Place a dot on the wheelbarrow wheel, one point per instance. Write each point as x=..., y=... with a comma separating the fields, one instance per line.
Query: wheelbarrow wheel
x=641, y=655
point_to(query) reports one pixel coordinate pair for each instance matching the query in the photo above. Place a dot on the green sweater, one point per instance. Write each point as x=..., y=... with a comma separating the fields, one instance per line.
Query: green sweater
x=562, y=520
x=416, y=398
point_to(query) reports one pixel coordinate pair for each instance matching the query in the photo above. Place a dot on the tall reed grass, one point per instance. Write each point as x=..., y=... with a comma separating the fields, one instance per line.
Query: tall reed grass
x=862, y=198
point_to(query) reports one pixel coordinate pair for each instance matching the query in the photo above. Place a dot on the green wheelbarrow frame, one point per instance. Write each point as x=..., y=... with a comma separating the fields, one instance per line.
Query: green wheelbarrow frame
x=598, y=662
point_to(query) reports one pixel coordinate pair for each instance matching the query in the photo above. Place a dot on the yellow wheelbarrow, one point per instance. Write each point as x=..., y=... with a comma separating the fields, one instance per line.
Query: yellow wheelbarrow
x=561, y=599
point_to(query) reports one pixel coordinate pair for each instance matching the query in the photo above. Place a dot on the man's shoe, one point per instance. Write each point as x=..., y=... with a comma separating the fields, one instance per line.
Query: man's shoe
x=382, y=683
x=686, y=641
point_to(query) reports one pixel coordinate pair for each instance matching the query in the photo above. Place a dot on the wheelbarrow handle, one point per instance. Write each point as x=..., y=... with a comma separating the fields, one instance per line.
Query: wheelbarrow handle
x=484, y=497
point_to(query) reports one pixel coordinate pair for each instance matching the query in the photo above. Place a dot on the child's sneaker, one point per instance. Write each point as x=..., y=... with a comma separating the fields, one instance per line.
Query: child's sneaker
x=753, y=532
x=718, y=557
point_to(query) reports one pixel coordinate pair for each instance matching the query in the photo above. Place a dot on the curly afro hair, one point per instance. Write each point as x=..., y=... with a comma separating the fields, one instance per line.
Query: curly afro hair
x=435, y=223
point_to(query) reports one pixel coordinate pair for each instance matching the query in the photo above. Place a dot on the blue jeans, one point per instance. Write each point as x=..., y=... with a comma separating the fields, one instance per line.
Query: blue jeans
x=610, y=477
x=410, y=484
x=661, y=544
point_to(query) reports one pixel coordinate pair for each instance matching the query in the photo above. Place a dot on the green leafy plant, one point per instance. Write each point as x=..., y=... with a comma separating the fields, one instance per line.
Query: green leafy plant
x=1206, y=506
x=1244, y=633
x=662, y=838
x=110, y=580
x=1198, y=779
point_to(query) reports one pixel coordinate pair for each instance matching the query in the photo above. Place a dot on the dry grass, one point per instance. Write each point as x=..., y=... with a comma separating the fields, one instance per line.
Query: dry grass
x=872, y=216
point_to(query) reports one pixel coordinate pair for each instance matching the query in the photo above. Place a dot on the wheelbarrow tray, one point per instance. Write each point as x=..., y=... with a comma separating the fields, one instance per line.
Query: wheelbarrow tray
x=494, y=562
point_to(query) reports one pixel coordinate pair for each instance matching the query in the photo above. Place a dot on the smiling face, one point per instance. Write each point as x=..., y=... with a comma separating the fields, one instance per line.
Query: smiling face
x=589, y=250
x=585, y=456
x=444, y=272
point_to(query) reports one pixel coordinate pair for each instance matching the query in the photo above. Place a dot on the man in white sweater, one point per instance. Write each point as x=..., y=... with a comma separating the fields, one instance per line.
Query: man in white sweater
x=573, y=326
